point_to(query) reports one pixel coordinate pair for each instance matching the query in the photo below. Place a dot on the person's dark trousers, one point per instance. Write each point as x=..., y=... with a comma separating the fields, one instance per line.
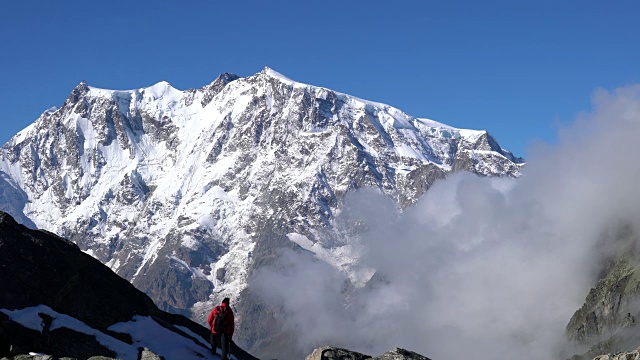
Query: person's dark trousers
x=220, y=341
x=225, y=341
x=212, y=341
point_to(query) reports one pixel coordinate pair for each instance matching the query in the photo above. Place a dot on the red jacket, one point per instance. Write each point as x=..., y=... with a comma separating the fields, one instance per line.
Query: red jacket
x=229, y=323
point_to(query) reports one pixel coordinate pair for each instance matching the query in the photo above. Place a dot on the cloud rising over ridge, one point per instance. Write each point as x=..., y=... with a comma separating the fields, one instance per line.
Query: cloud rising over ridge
x=479, y=267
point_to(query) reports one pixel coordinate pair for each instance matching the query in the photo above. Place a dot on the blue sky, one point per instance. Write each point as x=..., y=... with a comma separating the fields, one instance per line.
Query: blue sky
x=517, y=70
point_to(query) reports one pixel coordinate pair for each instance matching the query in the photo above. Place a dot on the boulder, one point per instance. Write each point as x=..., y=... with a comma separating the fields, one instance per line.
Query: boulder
x=633, y=355
x=333, y=353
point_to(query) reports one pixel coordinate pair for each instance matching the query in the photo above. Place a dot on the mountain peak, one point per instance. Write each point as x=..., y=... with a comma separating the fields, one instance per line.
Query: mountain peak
x=81, y=87
x=161, y=85
x=276, y=75
x=161, y=90
x=216, y=86
x=77, y=92
x=223, y=79
x=227, y=77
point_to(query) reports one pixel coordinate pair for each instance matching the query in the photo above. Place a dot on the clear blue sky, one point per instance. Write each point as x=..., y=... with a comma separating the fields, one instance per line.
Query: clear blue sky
x=516, y=70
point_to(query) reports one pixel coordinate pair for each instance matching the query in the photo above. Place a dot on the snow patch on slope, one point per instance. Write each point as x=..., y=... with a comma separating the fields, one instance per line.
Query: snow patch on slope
x=30, y=318
x=144, y=331
x=344, y=258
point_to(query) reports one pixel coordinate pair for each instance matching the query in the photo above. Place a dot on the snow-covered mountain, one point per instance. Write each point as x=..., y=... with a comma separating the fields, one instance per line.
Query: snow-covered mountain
x=172, y=189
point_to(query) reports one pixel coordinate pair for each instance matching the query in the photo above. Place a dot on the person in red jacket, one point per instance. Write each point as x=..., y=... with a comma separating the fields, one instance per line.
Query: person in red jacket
x=222, y=324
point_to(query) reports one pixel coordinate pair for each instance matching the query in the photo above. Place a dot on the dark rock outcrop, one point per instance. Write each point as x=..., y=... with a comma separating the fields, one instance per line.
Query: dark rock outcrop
x=606, y=322
x=332, y=353
x=39, y=268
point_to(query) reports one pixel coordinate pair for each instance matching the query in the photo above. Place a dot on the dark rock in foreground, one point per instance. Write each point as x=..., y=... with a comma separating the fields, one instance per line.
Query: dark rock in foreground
x=332, y=353
x=57, y=300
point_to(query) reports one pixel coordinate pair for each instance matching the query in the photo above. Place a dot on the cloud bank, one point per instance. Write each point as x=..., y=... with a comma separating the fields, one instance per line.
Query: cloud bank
x=479, y=267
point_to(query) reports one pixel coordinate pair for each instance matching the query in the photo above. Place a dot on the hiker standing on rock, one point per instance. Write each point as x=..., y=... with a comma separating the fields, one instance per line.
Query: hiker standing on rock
x=221, y=323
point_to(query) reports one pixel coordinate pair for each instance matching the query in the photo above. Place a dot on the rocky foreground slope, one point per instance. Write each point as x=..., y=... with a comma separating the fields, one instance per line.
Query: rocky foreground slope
x=57, y=300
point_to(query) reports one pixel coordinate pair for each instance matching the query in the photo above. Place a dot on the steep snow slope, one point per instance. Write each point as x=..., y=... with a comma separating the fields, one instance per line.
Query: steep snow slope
x=172, y=189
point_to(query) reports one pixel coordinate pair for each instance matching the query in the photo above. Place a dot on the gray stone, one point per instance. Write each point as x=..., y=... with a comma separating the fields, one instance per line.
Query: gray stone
x=400, y=354
x=147, y=354
x=333, y=353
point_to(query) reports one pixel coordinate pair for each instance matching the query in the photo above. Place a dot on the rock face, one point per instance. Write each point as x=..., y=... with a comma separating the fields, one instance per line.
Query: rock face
x=173, y=189
x=57, y=300
x=606, y=322
x=608, y=304
x=332, y=353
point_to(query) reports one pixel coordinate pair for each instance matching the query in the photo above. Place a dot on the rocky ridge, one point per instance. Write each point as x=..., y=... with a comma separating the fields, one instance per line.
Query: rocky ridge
x=606, y=322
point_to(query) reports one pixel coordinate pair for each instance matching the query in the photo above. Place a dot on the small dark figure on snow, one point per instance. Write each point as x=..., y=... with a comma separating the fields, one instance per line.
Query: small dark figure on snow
x=221, y=323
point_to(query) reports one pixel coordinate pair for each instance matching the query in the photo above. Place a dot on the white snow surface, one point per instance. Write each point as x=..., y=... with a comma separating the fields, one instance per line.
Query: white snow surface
x=276, y=75
x=145, y=332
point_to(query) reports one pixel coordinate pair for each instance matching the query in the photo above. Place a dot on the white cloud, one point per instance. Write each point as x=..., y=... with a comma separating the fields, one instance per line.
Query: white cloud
x=482, y=268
